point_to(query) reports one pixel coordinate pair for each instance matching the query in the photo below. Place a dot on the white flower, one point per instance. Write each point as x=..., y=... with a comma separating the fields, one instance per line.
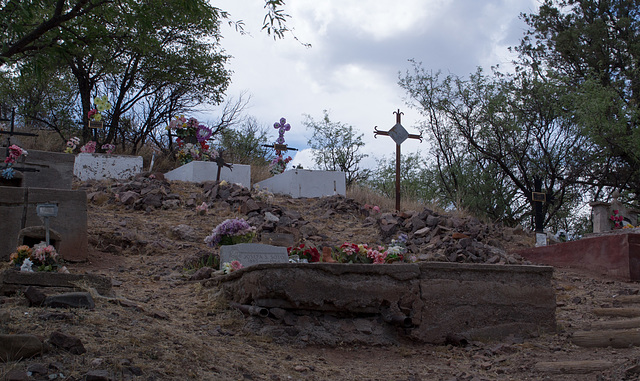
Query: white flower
x=26, y=265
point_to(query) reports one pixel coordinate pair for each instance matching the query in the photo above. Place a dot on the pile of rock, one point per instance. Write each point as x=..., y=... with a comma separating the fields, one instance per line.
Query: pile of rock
x=437, y=237
x=431, y=236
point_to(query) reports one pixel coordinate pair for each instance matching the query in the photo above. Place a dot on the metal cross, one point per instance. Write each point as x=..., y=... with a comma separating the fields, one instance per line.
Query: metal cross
x=399, y=135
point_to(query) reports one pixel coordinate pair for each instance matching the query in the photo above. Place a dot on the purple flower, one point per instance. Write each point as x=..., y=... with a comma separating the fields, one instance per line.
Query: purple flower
x=229, y=227
x=280, y=140
x=283, y=121
x=203, y=133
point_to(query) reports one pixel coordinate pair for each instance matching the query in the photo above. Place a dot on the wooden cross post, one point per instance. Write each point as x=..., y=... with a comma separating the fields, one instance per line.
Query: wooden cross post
x=11, y=131
x=399, y=135
x=280, y=148
x=221, y=163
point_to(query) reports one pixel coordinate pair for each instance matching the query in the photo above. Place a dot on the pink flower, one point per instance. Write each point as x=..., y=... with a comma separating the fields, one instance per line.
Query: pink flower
x=376, y=209
x=236, y=265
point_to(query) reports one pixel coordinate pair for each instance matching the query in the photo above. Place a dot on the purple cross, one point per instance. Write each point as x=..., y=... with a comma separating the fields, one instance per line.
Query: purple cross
x=283, y=126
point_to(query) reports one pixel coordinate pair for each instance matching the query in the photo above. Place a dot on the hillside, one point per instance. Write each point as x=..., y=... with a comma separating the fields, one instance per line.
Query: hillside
x=146, y=236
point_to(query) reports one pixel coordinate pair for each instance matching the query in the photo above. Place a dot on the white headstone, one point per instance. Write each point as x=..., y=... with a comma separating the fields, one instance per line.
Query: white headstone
x=201, y=171
x=253, y=254
x=99, y=166
x=306, y=183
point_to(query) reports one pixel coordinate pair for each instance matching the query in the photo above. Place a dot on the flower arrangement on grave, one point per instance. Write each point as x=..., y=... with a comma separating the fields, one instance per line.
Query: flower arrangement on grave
x=102, y=105
x=202, y=209
x=308, y=253
x=42, y=256
x=616, y=219
x=261, y=194
x=90, y=147
x=108, y=148
x=229, y=267
x=353, y=253
x=15, y=153
x=72, y=144
x=192, y=140
x=279, y=163
x=231, y=232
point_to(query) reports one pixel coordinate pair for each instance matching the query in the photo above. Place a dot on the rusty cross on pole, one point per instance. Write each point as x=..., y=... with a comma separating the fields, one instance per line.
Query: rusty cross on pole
x=399, y=135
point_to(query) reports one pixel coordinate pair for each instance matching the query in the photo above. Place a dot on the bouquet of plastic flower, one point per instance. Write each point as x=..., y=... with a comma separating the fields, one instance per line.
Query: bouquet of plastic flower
x=309, y=253
x=14, y=153
x=102, y=104
x=72, y=143
x=90, y=147
x=22, y=252
x=45, y=257
x=352, y=253
x=617, y=220
x=279, y=164
x=229, y=267
x=231, y=232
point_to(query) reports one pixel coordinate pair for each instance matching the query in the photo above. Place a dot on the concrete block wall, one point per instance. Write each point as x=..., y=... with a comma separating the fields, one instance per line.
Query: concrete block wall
x=47, y=169
x=18, y=211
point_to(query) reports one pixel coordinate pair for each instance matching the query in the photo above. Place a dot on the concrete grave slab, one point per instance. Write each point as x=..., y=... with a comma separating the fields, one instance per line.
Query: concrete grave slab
x=100, y=166
x=201, y=171
x=250, y=254
x=386, y=304
x=616, y=255
x=306, y=183
x=46, y=169
x=12, y=281
x=18, y=211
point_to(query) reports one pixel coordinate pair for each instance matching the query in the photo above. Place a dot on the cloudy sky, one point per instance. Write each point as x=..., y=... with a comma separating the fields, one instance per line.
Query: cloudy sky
x=358, y=50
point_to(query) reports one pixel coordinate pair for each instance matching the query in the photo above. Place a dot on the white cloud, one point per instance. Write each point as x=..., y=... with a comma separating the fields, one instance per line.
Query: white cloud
x=359, y=47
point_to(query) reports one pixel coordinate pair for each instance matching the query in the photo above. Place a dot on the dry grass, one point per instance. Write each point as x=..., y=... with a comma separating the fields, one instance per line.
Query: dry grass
x=365, y=195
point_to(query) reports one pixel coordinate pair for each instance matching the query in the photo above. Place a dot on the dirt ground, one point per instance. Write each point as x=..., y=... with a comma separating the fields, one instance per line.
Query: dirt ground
x=174, y=329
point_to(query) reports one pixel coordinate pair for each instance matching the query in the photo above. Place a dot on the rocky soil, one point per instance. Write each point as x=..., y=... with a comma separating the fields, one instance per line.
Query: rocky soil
x=161, y=324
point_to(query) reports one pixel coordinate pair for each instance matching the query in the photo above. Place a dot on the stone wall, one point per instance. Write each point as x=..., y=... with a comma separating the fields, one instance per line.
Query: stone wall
x=431, y=302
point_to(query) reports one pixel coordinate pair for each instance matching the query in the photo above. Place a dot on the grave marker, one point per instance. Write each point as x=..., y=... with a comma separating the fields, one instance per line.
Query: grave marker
x=250, y=254
x=399, y=134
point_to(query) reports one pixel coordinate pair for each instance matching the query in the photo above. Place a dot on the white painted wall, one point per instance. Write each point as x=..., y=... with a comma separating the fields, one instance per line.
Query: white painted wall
x=306, y=183
x=99, y=166
x=201, y=171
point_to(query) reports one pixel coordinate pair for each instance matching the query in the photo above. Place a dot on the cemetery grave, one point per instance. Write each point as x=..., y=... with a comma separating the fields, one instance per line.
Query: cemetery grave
x=145, y=235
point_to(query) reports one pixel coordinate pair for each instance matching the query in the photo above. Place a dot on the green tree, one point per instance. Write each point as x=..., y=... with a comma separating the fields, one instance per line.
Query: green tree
x=592, y=49
x=336, y=147
x=498, y=133
x=245, y=144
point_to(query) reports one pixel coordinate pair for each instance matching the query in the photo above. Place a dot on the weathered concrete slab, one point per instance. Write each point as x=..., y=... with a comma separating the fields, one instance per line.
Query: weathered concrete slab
x=18, y=211
x=250, y=254
x=50, y=169
x=12, y=280
x=99, y=166
x=201, y=171
x=613, y=255
x=306, y=183
x=383, y=304
x=485, y=302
